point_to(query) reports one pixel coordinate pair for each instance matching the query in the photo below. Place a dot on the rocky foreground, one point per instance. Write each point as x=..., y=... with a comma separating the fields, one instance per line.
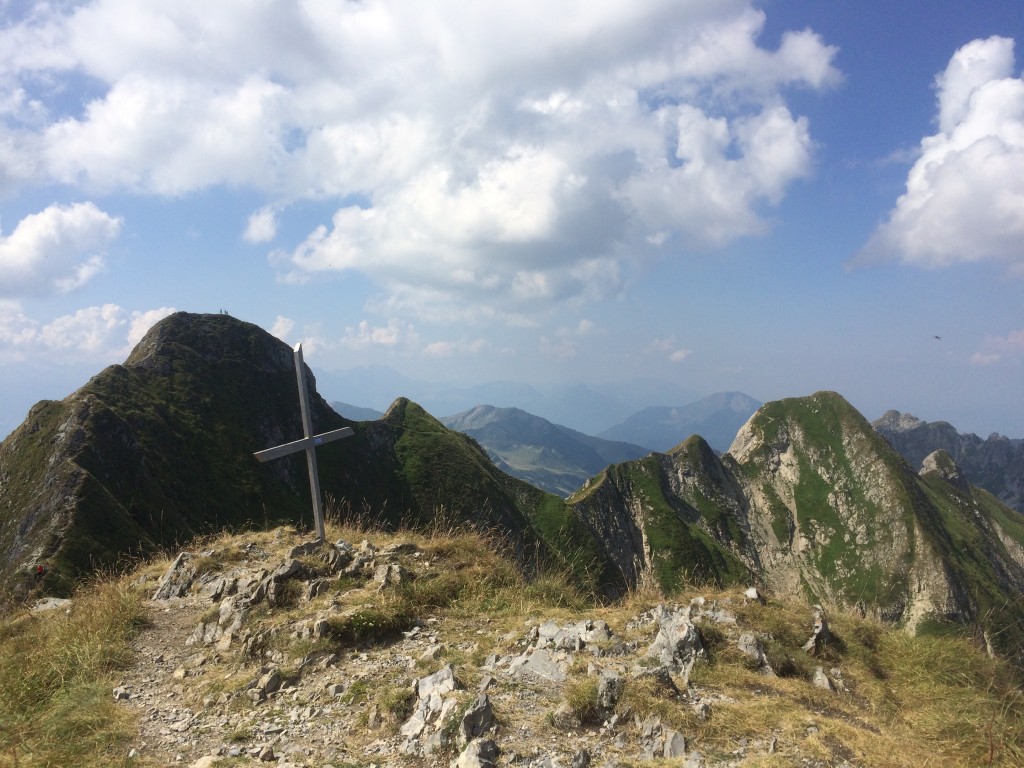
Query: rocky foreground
x=413, y=650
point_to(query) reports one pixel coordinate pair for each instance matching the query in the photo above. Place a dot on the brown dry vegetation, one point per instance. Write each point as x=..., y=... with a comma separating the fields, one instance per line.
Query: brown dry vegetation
x=908, y=701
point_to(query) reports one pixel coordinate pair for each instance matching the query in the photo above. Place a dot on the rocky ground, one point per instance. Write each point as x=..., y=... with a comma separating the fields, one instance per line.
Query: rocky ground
x=267, y=652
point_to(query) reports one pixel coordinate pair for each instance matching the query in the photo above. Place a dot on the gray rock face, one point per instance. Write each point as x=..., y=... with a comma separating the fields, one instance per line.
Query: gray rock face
x=479, y=753
x=995, y=463
x=677, y=644
x=178, y=579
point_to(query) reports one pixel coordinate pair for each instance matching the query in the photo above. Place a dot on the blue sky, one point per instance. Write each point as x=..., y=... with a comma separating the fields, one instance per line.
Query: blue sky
x=775, y=197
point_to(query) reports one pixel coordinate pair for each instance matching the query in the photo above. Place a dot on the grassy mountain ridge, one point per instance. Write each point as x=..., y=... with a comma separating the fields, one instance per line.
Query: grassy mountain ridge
x=159, y=449
x=812, y=503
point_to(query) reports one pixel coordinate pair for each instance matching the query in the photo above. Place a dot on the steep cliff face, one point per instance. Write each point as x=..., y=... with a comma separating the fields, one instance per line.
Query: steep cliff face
x=995, y=463
x=150, y=453
x=671, y=517
x=812, y=503
x=835, y=511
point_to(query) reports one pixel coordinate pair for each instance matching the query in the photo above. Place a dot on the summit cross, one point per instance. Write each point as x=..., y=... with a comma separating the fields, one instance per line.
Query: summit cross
x=308, y=444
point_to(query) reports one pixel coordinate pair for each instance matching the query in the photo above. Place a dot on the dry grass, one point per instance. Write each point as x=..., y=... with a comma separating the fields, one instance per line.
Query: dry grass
x=906, y=701
x=56, y=673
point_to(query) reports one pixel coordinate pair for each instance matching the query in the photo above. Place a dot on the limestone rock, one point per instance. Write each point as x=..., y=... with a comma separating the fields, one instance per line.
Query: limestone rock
x=178, y=579
x=750, y=646
x=675, y=744
x=431, y=706
x=677, y=644
x=820, y=636
x=541, y=663
x=477, y=720
x=820, y=680
x=390, y=575
x=753, y=594
x=479, y=753
x=609, y=688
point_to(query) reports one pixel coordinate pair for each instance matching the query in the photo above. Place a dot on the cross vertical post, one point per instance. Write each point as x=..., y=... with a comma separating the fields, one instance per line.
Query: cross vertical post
x=308, y=443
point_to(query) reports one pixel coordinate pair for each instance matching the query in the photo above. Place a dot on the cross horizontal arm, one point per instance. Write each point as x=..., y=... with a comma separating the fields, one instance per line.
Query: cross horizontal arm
x=303, y=444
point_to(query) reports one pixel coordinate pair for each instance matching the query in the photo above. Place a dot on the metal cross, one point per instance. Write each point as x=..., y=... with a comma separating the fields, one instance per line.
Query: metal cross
x=307, y=444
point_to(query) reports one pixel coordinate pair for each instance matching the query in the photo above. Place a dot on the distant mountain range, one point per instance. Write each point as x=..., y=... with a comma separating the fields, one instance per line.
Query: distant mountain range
x=809, y=502
x=559, y=459
x=995, y=463
x=552, y=457
x=716, y=418
x=357, y=413
x=586, y=408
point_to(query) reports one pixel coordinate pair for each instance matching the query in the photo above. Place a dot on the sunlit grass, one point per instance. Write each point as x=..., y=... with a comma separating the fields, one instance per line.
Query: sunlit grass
x=904, y=701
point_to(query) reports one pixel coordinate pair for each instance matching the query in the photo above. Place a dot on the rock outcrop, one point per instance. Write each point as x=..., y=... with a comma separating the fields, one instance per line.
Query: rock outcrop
x=811, y=501
x=995, y=463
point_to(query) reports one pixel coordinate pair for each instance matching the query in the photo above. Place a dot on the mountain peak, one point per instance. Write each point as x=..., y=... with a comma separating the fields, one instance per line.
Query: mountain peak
x=940, y=464
x=897, y=422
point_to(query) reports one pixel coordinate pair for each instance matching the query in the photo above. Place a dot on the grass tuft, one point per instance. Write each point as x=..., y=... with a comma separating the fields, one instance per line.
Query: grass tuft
x=56, y=674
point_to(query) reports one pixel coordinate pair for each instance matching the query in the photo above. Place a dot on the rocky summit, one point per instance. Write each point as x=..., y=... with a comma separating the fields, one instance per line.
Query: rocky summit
x=432, y=649
x=809, y=503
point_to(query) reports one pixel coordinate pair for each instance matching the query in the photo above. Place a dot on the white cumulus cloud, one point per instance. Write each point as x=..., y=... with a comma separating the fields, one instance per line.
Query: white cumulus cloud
x=964, y=200
x=56, y=250
x=262, y=226
x=282, y=327
x=498, y=156
x=98, y=334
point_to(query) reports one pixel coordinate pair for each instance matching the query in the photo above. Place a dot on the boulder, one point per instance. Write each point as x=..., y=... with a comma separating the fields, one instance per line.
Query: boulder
x=431, y=706
x=820, y=636
x=677, y=644
x=479, y=753
x=820, y=680
x=751, y=646
x=477, y=720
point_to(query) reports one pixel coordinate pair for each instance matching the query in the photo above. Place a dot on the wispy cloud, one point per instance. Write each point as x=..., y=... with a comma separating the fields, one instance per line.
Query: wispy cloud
x=669, y=349
x=395, y=333
x=995, y=349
